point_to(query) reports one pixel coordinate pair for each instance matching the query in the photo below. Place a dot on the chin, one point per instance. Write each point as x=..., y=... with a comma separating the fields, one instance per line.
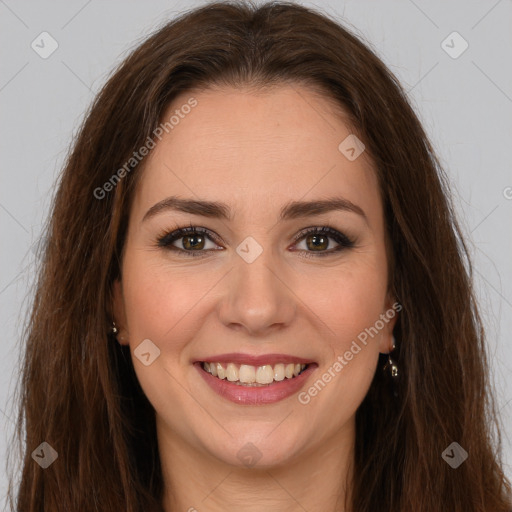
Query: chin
x=257, y=452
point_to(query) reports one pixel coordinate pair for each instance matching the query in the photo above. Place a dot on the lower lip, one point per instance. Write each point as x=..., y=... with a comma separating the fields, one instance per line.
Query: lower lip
x=256, y=395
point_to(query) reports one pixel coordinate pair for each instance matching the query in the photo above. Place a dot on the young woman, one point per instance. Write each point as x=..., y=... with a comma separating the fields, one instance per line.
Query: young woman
x=255, y=294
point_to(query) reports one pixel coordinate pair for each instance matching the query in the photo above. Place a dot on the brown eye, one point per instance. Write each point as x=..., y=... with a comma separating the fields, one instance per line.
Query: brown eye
x=193, y=241
x=315, y=242
x=190, y=241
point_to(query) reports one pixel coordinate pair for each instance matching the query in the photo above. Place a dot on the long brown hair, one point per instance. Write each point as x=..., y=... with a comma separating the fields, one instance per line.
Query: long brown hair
x=78, y=390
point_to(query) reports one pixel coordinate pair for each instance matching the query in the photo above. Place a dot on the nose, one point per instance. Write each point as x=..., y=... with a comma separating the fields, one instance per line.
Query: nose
x=258, y=299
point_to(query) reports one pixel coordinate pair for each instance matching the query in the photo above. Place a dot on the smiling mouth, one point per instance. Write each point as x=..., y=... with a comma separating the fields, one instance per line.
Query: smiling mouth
x=254, y=376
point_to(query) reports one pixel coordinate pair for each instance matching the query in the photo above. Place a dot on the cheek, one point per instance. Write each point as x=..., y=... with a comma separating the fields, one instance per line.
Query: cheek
x=350, y=301
x=162, y=305
x=352, y=311
x=159, y=299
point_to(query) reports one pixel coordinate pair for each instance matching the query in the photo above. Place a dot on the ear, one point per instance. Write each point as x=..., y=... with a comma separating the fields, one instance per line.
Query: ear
x=120, y=313
x=389, y=317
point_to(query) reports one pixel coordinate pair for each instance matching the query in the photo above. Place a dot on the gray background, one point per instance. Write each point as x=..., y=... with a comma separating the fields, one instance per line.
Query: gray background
x=465, y=104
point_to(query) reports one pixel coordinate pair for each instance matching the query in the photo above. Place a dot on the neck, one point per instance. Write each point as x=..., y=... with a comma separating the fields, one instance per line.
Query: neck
x=312, y=480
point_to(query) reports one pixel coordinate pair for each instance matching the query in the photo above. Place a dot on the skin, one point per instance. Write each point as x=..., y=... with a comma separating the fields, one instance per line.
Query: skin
x=255, y=151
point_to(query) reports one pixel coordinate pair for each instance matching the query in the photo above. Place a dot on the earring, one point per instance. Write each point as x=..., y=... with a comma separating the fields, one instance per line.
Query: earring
x=391, y=365
x=393, y=368
x=113, y=329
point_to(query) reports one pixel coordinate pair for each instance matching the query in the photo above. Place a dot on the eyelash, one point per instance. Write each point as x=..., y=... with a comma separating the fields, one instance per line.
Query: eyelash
x=167, y=238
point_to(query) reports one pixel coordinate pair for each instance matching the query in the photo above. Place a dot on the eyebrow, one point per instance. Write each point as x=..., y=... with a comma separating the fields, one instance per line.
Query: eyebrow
x=216, y=210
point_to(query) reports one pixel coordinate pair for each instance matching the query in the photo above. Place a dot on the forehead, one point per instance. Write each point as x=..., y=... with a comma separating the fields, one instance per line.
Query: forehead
x=255, y=148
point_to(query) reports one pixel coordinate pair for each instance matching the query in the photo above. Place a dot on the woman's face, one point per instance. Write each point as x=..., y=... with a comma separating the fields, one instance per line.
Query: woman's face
x=245, y=287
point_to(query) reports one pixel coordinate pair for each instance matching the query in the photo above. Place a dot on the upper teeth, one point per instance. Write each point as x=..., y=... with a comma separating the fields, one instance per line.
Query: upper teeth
x=247, y=374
